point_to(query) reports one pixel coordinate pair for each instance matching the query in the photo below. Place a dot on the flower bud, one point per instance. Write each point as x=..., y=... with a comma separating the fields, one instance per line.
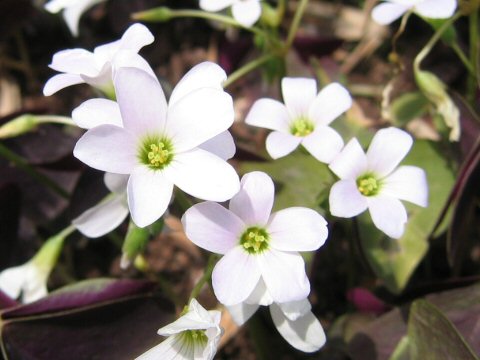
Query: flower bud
x=159, y=14
x=18, y=126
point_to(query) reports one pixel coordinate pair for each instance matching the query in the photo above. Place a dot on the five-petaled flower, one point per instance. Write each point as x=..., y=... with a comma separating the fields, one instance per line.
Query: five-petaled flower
x=194, y=336
x=257, y=246
x=373, y=181
x=389, y=11
x=246, y=12
x=304, y=118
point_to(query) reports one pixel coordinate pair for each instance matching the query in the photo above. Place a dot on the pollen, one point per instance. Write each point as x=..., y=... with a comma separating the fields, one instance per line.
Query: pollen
x=254, y=240
x=156, y=153
x=302, y=127
x=368, y=185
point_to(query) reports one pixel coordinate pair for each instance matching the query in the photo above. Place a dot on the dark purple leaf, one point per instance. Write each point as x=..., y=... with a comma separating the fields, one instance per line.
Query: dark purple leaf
x=365, y=301
x=6, y=301
x=231, y=53
x=9, y=221
x=315, y=46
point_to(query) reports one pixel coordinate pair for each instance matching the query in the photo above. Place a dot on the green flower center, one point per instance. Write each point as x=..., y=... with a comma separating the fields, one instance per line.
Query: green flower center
x=254, y=240
x=302, y=127
x=191, y=337
x=368, y=185
x=156, y=152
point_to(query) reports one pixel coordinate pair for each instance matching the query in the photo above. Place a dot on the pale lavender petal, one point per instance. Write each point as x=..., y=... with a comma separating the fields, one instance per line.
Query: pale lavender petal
x=59, y=82
x=116, y=183
x=242, y=312
x=324, y=143
x=351, y=162
x=72, y=14
x=270, y=114
x=260, y=295
x=332, y=101
x=127, y=58
x=95, y=112
x=386, y=13
x=345, y=199
x=215, y=5
x=298, y=94
x=247, y=12
x=436, y=9
x=136, y=37
x=407, y=183
x=295, y=309
x=280, y=144
x=388, y=214
x=75, y=61
x=221, y=145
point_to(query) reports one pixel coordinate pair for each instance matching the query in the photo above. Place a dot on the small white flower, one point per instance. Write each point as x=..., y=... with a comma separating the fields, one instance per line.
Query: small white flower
x=246, y=12
x=194, y=336
x=159, y=146
x=391, y=10
x=97, y=69
x=257, y=246
x=373, y=181
x=72, y=10
x=304, y=118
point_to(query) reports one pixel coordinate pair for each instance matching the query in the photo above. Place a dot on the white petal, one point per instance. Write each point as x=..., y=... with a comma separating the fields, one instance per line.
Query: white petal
x=195, y=318
x=235, y=276
x=72, y=14
x=136, y=37
x=284, y=275
x=242, y=312
x=59, y=82
x=168, y=349
x=247, y=12
x=128, y=58
x=436, y=9
x=75, y=61
x=388, y=214
x=212, y=227
x=279, y=144
x=215, y=5
x=407, y=183
x=295, y=309
x=269, y=114
x=149, y=194
x=198, y=117
x=387, y=149
x=108, y=148
x=203, y=75
x=345, y=199
x=298, y=94
x=332, y=101
x=260, y=295
x=102, y=80
x=297, y=229
x=12, y=280
x=221, y=145
x=141, y=100
x=102, y=218
x=305, y=334
x=324, y=143
x=55, y=6
x=116, y=183
x=386, y=13
x=253, y=203
x=203, y=175
x=351, y=162
x=95, y=112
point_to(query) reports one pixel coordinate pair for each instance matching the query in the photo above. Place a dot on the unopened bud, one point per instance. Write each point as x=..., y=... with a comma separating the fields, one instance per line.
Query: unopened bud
x=159, y=14
x=18, y=126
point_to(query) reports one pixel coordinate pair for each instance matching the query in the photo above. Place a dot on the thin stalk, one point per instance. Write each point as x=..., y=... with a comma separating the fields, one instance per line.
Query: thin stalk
x=400, y=31
x=246, y=69
x=54, y=119
x=296, y=23
x=463, y=58
x=212, y=260
x=473, y=32
x=22, y=164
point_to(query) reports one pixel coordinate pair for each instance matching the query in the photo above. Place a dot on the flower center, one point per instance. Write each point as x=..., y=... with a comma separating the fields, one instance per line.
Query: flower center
x=191, y=337
x=368, y=185
x=156, y=153
x=254, y=240
x=302, y=126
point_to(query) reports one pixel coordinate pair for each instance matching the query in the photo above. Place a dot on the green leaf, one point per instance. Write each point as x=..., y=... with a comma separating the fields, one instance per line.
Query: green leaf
x=449, y=36
x=408, y=107
x=433, y=337
x=392, y=260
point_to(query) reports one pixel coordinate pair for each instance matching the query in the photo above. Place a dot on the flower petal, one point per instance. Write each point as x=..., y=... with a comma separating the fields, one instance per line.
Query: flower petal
x=75, y=61
x=235, y=276
x=388, y=214
x=298, y=94
x=221, y=145
x=195, y=318
x=351, y=162
x=141, y=100
x=242, y=312
x=149, y=193
x=297, y=229
x=203, y=175
x=269, y=114
x=279, y=144
x=388, y=147
x=127, y=58
x=436, y=9
x=116, y=183
x=284, y=275
x=212, y=227
x=332, y=101
x=95, y=112
x=345, y=199
x=324, y=143
x=73, y=13
x=59, y=82
x=295, y=309
x=247, y=12
x=108, y=148
x=198, y=117
x=260, y=295
x=305, y=334
x=136, y=37
x=168, y=349
x=253, y=203
x=386, y=13
x=407, y=183
x=204, y=75
x=215, y=5
x=13, y=279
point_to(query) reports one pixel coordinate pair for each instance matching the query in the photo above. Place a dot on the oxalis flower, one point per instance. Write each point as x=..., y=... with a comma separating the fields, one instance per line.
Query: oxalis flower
x=304, y=118
x=194, y=336
x=257, y=245
x=372, y=181
x=246, y=12
x=391, y=10
x=97, y=68
x=158, y=145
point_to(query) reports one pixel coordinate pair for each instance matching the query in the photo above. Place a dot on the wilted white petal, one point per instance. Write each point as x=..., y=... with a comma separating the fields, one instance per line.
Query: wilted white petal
x=247, y=12
x=221, y=145
x=279, y=144
x=351, y=162
x=270, y=114
x=345, y=199
x=95, y=112
x=388, y=214
x=332, y=101
x=116, y=183
x=436, y=9
x=386, y=13
x=324, y=143
x=298, y=94
x=215, y=5
x=295, y=309
x=242, y=312
x=60, y=81
x=407, y=183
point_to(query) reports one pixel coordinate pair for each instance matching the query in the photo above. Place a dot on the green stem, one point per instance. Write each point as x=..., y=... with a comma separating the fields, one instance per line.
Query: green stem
x=296, y=23
x=463, y=58
x=22, y=164
x=400, y=31
x=246, y=69
x=473, y=30
x=212, y=260
x=54, y=119
x=182, y=200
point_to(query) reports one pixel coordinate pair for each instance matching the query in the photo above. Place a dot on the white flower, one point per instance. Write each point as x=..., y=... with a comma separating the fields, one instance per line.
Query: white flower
x=391, y=10
x=373, y=181
x=97, y=69
x=246, y=12
x=159, y=146
x=257, y=246
x=194, y=336
x=72, y=10
x=304, y=118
